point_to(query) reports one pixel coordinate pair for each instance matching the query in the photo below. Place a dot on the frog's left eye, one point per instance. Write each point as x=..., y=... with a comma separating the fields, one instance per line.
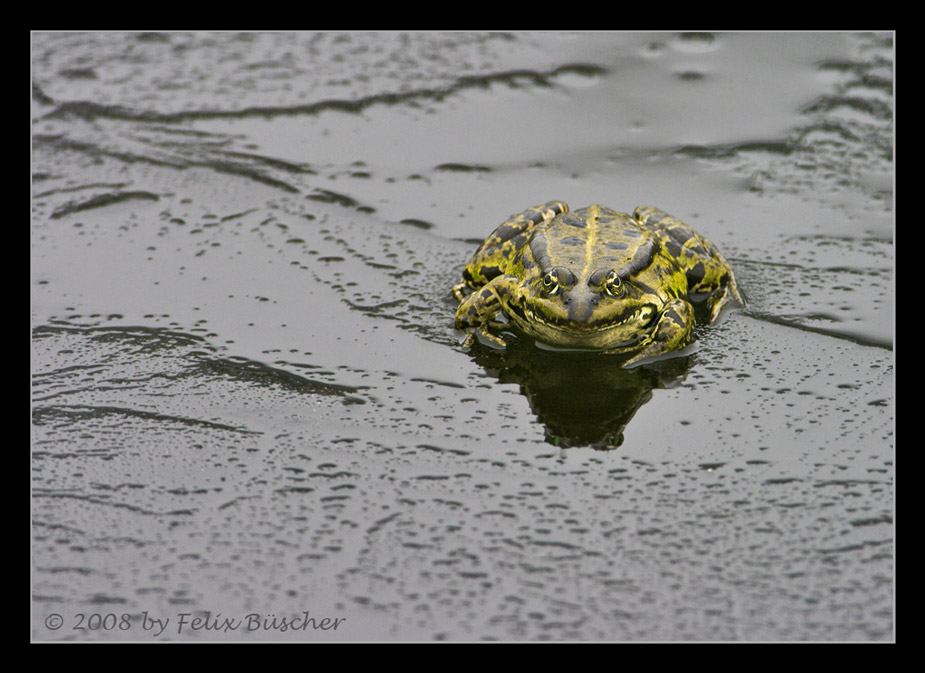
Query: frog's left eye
x=613, y=285
x=550, y=284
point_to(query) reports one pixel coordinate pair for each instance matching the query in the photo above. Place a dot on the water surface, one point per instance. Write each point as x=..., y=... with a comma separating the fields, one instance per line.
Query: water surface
x=248, y=397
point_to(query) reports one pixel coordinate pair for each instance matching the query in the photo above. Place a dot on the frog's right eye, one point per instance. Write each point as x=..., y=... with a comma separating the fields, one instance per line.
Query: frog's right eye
x=550, y=284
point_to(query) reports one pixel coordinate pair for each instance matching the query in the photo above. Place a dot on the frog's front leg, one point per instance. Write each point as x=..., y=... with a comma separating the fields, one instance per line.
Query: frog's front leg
x=478, y=311
x=672, y=332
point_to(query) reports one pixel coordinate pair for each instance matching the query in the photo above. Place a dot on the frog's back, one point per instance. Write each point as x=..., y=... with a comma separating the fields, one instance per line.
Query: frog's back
x=594, y=236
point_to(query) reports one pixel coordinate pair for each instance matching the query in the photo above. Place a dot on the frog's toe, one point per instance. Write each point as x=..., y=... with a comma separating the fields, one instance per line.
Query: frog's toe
x=460, y=291
x=483, y=336
x=469, y=339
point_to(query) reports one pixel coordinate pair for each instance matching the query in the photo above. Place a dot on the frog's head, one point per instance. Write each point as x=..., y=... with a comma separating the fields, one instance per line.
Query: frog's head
x=603, y=309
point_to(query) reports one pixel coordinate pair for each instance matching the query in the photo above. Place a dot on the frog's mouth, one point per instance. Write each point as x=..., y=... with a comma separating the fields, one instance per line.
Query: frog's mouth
x=621, y=330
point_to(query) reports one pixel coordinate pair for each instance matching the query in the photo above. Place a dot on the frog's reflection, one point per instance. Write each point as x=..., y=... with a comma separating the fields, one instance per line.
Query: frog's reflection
x=581, y=398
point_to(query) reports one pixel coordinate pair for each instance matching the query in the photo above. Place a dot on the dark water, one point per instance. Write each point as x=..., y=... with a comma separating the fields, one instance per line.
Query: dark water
x=249, y=403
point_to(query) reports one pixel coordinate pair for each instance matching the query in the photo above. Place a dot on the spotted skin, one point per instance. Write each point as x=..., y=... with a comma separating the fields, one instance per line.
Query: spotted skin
x=492, y=257
x=594, y=279
x=697, y=252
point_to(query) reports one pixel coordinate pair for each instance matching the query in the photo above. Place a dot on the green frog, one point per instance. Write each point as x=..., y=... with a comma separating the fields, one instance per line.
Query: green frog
x=594, y=279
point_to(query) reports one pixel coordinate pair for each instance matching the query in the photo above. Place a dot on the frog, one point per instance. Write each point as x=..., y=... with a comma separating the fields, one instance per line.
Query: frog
x=594, y=279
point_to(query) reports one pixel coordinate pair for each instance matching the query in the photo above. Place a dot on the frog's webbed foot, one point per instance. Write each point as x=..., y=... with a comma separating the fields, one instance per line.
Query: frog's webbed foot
x=479, y=311
x=723, y=299
x=730, y=295
x=673, y=332
x=482, y=335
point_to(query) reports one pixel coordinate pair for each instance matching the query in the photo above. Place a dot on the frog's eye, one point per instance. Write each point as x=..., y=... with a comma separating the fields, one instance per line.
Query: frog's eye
x=550, y=284
x=613, y=285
